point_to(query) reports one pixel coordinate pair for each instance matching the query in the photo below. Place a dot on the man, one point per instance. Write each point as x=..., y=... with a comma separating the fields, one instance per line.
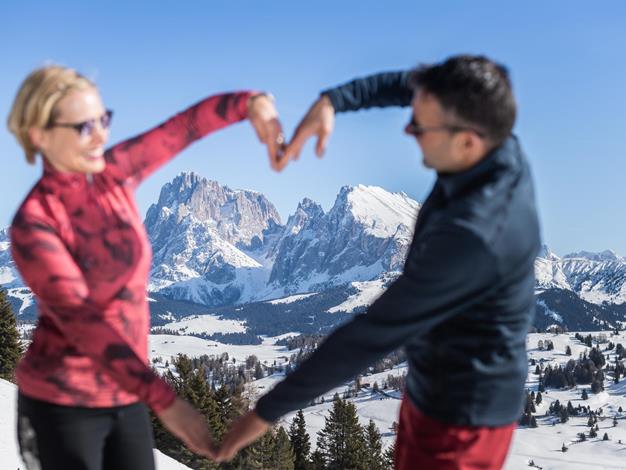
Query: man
x=464, y=303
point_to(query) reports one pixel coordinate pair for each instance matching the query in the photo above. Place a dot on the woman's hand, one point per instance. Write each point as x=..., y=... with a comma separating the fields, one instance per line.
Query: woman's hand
x=264, y=118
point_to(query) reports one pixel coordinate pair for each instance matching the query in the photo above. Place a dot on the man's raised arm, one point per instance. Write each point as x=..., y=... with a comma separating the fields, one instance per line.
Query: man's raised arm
x=378, y=90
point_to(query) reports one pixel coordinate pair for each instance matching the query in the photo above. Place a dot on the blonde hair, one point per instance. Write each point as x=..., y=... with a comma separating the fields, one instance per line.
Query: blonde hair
x=34, y=104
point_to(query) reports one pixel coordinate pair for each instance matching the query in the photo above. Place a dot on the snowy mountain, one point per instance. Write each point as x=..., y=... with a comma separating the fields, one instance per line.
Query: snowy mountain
x=8, y=274
x=365, y=235
x=220, y=248
x=216, y=246
x=595, y=277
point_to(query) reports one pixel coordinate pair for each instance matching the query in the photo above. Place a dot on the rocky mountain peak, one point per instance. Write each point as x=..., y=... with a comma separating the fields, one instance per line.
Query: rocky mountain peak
x=238, y=216
x=606, y=255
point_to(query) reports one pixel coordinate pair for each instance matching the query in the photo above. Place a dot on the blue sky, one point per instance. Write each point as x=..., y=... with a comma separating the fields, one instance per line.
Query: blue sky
x=152, y=59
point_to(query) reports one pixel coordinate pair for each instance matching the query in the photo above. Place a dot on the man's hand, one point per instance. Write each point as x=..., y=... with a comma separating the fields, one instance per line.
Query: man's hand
x=264, y=118
x=319, y=121
x=244, y=432
x=190, y=426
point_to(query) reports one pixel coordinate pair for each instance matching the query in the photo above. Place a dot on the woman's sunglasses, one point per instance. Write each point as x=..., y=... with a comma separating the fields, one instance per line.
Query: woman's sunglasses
x=85, y=129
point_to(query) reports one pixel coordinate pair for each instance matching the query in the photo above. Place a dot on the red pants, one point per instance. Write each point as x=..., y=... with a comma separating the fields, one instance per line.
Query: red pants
x=425, y=443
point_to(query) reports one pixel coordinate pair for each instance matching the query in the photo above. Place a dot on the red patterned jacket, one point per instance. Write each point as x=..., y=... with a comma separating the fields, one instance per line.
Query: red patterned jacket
x=79, y=244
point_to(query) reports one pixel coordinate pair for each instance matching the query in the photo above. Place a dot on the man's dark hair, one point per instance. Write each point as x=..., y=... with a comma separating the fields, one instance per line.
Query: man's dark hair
x=475, y=89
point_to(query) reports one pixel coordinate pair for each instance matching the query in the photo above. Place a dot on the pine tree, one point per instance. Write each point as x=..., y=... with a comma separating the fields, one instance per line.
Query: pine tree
x=259, y=456
x=341, y=441
x=605, y=437
x=10, y=345
x=282, y=454
x=584, y=395
x=191, y=385
x=317, y=462
x=538, y=399
x=300, y=442
x=374, y=450
x=388, y=456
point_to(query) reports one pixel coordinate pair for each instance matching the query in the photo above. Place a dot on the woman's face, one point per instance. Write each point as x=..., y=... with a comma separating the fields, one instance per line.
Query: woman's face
x=74, y=141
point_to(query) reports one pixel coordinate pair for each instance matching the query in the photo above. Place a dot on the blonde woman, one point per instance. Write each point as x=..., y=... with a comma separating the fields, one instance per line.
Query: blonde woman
x=79, y=244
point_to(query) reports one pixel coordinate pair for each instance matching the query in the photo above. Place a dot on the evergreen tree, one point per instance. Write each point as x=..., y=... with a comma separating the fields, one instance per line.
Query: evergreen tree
x=584, y=395
x=300, y=442
x=258, y=371
x=260, y=455
x=317, y=462
x=388, y=457
x=568, y=350
x=282, y=454
x=605, y=437
x=10, y=345
x=341, y=441
x=563, y=448
x=374, y=453
x=538, y=399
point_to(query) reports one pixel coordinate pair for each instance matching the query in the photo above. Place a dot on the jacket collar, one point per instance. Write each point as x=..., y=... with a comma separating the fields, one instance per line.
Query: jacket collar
x=60, y=179
x=503, y=157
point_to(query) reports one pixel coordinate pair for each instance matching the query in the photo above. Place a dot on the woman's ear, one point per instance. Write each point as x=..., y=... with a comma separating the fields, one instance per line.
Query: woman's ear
x=38, y=137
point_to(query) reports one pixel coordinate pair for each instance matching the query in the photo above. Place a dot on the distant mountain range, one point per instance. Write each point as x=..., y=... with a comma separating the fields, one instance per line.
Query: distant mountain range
x=225, y=251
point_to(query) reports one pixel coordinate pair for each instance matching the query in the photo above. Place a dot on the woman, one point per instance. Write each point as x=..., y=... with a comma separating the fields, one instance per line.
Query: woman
x=79, y=244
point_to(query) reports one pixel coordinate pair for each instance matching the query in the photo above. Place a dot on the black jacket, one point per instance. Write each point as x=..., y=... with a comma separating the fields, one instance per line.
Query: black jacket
x=464, y=303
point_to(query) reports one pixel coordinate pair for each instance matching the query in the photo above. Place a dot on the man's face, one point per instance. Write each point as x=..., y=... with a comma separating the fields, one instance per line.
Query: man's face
x=445, y=148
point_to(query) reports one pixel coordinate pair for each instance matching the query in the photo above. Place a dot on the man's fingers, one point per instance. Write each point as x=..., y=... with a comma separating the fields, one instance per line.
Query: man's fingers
x=322, y=141
x=293, y=149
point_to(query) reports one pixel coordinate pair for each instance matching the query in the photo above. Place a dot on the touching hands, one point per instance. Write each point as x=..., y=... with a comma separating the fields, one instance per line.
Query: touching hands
x=318, y=121
x=247, y=429
x=190, y=426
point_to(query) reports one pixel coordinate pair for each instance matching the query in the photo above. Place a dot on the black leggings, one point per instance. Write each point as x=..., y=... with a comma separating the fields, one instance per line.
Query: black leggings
x=54, y=437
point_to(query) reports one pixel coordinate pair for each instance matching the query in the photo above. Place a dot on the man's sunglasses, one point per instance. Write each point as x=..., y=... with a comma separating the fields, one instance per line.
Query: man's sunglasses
x=85, y=129
x=414, y=129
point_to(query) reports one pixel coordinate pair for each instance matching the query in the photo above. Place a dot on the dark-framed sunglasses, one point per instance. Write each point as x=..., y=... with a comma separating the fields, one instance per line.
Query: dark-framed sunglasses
x=414, y=129
x=85, y=129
